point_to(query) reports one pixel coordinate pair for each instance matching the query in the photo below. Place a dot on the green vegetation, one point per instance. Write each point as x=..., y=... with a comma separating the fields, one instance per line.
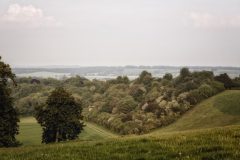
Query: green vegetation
x=8, y=114
x=61, y=117
x=147, y=103
x=30, y=132
x=123, y=106
x=220, y=110
x=229, y=103
x=208, y=144
x=173, y=142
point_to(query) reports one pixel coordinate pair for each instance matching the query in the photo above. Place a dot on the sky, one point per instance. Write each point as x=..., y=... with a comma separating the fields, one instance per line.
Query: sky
x=120, y=32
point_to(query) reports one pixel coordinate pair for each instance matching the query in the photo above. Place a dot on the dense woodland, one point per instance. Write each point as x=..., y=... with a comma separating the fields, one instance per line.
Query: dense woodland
x=124, y=106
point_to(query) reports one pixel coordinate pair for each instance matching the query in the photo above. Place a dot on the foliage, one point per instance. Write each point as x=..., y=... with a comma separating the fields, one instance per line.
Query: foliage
x=8, y=114
x=184, y=72
x=168, y=76
x=225, y=79
x=60, y=117
x=118, y=104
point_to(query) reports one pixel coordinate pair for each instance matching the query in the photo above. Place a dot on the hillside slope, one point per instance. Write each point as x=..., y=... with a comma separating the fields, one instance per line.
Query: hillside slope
x=220, y=110
x=206, y=144
x=30, y=132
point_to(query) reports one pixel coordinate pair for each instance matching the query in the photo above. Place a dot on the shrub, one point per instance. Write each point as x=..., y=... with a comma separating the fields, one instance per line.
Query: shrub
x=205, y=91
x=217, y=86
x=194, y=97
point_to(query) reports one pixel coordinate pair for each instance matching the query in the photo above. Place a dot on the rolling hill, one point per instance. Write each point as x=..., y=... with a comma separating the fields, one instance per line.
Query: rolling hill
x=209, y=131
x=30, y=132
x=217, y=111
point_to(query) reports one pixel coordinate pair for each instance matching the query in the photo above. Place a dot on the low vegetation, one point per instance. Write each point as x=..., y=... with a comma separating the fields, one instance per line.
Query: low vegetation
x=207, y=144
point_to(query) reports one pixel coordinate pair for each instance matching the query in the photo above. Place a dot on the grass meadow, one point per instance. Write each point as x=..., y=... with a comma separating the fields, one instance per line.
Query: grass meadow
x=210, y=131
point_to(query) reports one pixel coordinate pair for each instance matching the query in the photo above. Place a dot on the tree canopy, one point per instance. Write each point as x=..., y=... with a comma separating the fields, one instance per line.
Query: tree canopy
x=60, y=117
x=8, y=114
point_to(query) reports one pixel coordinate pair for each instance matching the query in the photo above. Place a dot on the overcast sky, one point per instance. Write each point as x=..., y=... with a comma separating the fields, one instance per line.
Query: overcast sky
x=120, y=32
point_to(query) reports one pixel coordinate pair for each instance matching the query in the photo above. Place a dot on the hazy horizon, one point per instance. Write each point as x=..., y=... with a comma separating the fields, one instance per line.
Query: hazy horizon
x=79, y=66
x=39, y=33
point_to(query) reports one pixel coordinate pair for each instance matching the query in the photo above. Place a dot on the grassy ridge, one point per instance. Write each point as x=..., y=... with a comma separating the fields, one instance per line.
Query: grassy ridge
x=207, y=144
x=30, y=132
x=220, y=110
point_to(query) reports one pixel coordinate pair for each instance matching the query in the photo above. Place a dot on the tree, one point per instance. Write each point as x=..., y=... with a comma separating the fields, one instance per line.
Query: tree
x=146, y=79
x=126, y=104
x=60, y=117
x=225, y=79
x=168, y=76
x=184, y=72
x=8, y=114
x=205, y=91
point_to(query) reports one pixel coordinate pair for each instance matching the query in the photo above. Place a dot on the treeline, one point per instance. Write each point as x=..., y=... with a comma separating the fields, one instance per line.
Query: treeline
x=124, y=106
x=136, y=107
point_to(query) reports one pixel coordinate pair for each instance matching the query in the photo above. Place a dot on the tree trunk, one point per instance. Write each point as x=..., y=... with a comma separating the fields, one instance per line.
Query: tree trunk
x=57, y=135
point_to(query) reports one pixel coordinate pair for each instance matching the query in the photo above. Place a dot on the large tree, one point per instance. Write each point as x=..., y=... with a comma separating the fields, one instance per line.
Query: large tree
x=8, y=114
x=225, y=79
x=60, y=117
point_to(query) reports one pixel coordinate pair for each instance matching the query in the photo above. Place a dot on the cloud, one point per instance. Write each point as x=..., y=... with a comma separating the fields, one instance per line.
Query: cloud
x=209, y=20
x=27, y=16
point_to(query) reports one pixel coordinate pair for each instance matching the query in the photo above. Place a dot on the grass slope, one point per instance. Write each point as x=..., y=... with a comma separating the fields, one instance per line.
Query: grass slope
x=30, y=132
x=220, y=110
x=195, y=143
x=207, y=144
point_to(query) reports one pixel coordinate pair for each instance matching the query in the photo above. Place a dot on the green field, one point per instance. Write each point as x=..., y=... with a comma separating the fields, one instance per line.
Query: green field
x=30, y=132
x=207, y=144
x=210, y=131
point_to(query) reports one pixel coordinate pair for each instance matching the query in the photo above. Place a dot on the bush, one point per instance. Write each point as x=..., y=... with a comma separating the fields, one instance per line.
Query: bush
x=194, y=97
x=126, y=104
x=217, y=86
x=205, y=91
x=168, y=76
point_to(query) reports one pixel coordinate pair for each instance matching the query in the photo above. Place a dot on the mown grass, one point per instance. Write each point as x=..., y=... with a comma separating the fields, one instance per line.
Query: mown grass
x=220, y=110
x=30, y=132
x=206, y=144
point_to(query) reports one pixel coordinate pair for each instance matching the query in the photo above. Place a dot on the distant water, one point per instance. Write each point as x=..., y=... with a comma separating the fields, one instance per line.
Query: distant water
x=112, y=72
x=45, y=75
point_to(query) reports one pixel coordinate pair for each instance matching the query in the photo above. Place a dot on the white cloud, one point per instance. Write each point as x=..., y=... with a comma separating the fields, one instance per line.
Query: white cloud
x=28, y=16
x=209, y=20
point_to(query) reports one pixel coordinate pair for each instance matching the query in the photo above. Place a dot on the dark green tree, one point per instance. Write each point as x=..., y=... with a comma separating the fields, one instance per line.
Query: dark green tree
x=168, y=76
x=146, y=79
x=8, y=114
x=184, y=72
x=60, y=117
x=225, y=79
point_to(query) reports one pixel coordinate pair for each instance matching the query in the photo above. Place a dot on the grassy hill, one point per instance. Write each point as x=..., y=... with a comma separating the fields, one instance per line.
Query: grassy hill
x=207, y=144
x=210, y=131
x=30, y=132
x=220, y=110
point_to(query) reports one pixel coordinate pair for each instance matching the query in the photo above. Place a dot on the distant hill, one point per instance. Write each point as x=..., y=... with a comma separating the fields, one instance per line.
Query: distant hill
x=105, y=72
x=220, y=110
